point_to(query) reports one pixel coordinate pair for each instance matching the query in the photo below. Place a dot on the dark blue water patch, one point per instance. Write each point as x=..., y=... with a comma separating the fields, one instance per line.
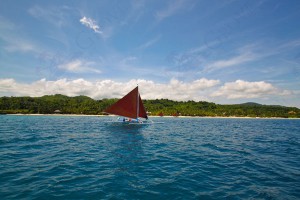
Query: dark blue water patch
x=47, y=157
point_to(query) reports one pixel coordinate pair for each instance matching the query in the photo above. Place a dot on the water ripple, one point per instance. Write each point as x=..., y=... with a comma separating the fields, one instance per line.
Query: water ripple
x=193, y=158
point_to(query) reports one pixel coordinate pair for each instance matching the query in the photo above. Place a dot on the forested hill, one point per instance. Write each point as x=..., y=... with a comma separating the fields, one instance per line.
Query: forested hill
x=84, y=105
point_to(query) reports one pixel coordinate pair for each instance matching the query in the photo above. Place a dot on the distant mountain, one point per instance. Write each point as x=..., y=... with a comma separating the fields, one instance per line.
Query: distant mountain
x=251, y=104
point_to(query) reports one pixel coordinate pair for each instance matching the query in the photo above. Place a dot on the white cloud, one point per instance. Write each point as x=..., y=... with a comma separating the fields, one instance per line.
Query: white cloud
x=178, y=90
x=252, y=52
x=245, y=90
x=7, y=84
x=172, y=8
x=290, y=45
x=244, y=54
x=240, y=59
x=79, y=66
x=127, y=61
x=200, y=58
x=198, y=90
x=57, y=16
x=192, y=59
x=150, y=42
x=19, y=45
x=175, y=89
x=12, y=41
x=90, y=23
x=6, y=24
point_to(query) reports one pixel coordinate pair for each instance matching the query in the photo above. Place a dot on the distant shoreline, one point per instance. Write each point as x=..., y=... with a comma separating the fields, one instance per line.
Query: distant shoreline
x=83, y=105
x=82, y=115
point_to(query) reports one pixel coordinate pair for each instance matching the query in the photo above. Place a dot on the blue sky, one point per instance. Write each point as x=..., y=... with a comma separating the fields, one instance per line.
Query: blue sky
x=221, y=51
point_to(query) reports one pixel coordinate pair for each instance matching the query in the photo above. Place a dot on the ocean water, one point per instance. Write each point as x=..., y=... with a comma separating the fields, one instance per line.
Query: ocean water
x=63, y=157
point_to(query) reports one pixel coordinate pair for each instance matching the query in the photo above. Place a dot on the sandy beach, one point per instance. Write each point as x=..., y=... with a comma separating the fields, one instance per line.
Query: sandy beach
x=82, y=115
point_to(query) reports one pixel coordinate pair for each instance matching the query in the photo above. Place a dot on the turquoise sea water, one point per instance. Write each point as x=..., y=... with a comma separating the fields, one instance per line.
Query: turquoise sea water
x=60, y=157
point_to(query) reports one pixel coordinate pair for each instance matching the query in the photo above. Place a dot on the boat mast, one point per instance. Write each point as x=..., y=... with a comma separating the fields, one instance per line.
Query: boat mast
x=138, y=104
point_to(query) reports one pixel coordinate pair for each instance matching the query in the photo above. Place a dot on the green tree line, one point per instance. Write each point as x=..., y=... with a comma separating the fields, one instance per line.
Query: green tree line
x=85, y=105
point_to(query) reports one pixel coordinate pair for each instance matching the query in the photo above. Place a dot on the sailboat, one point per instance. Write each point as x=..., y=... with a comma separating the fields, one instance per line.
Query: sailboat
x=130, y=108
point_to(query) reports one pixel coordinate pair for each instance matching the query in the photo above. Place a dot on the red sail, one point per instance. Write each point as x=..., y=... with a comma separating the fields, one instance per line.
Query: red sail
x=130, y=105
x=142, y=111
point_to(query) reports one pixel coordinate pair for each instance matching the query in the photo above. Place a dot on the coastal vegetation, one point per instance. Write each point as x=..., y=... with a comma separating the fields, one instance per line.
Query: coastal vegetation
x=62, y=104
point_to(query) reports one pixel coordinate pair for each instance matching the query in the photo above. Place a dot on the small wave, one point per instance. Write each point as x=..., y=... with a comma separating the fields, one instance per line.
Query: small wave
x=191, y=158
